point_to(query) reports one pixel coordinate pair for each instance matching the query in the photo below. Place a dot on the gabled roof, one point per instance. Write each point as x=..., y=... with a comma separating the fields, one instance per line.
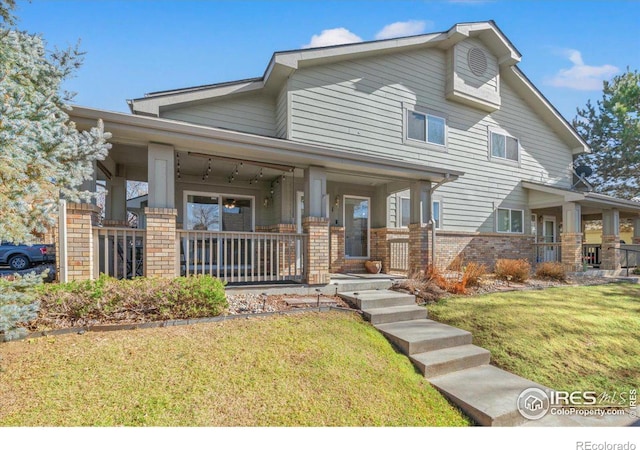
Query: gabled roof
x=284, y=63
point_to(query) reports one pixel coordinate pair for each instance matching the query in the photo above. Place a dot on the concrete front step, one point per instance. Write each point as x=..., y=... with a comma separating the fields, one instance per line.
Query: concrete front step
x=452, y=359
x=394, y=314
x=486, y=394
x=371, y=299
x=423, y=335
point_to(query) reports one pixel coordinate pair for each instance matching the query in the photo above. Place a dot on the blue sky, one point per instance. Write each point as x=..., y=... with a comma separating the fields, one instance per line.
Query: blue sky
x=134, y=47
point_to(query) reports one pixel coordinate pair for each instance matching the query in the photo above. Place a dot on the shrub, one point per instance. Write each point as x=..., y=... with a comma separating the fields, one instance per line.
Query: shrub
x=551, y=271
x=636, y=271
x=18, y=304
x=472, y=273
x=517, y=270
x=107, y=300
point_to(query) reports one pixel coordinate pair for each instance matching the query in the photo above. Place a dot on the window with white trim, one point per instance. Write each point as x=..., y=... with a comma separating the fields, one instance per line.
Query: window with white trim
x=426, y=128
x=405, y=212
x=503, y=146
x=510, y=220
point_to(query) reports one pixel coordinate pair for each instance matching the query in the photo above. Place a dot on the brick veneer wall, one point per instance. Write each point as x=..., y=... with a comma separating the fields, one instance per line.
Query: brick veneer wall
x=483, y=248
x=336, y=261
x=316, y=257
x=160, y=242
x=610, y=252
x=81, y=218
x=419, y=248
x=571, y=251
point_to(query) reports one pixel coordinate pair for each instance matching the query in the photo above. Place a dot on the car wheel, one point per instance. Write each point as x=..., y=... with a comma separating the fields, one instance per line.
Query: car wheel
x=19, y=262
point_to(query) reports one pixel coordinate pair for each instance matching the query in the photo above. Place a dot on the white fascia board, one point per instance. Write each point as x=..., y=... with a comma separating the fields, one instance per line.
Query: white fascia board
x=152, y=105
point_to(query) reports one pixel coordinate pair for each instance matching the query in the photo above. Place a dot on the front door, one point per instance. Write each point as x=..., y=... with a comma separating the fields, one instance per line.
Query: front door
x=549, y=237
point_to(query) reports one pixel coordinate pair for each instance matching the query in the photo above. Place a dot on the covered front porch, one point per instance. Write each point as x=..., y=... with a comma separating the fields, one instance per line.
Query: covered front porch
x=558, y=220
x=241, y=207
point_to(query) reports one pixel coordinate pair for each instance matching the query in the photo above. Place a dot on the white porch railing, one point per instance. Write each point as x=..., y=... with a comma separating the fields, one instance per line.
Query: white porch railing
x=399, y=254
x=118, y=251
x=241, y=257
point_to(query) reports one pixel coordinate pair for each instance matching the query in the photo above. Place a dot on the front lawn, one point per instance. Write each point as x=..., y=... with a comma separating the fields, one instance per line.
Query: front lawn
x=569, y=338
x=312, y=369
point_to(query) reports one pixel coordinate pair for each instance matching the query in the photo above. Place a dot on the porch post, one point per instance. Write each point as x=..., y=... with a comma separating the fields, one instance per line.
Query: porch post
x=636, y=231
x=419, y=251
x=161, y=176
x=160, y=253
x=81, y=218
x=380, y=250
x=315, y=224
x=315, y=192
x=611, y=239
x=571, y=237
x=116, y=202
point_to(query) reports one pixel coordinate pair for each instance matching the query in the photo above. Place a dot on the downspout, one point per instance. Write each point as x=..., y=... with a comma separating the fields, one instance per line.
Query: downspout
x=432, y=223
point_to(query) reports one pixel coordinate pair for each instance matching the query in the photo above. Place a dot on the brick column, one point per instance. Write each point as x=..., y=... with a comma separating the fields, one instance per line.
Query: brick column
x=316, y=256
x=380, y=248
x=610, y=252
x=81, y=218
x=610, y=239
x=571, y=251
x=418, y=248
x=160, y=243
x=636, y=231
x=336, y=263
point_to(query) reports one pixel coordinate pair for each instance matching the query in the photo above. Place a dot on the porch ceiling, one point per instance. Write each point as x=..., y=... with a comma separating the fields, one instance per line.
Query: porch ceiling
x=131, y=135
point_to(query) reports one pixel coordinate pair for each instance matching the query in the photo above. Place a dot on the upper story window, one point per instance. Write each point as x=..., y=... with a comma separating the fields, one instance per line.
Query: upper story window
x=510, y=220
x=425, y=128
x=503, y=146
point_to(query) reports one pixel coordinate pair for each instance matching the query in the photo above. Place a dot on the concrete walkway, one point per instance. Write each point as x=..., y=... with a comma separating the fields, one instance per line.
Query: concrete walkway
x=460, y=370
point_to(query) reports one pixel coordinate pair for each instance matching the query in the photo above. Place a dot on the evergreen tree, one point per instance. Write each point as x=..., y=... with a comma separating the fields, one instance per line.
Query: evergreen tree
x=42, y=154
x=612, y=130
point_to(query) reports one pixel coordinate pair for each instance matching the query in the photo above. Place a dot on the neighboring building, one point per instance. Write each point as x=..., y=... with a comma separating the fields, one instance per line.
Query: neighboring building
x=343, y=154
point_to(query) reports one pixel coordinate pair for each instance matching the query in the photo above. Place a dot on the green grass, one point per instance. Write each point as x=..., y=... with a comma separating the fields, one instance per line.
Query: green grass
x=314, y=369
x=569, y=338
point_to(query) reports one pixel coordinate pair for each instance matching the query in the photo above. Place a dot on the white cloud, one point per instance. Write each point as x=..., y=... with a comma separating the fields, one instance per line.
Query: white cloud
x=399, y=29
x=333, y=36
x=581, y=76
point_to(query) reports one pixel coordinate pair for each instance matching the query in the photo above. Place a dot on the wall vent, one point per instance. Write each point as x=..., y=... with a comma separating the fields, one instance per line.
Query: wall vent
x=477, y=61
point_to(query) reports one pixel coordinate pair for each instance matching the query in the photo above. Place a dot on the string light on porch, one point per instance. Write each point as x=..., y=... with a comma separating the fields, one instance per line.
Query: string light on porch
x=205, y=176
x=178, y=164
x=254, y=180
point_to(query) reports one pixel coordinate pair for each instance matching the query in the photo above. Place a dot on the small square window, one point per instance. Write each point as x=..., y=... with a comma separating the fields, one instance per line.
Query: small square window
x=510, y=220
x=426, y=128
x=504, y=147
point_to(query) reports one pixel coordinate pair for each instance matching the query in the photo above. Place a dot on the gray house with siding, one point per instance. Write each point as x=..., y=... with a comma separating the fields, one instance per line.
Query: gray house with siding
x=411, y=151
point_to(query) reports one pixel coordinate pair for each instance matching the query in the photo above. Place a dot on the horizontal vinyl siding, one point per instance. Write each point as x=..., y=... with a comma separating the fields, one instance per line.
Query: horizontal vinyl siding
x=281, y=113
x=249, y=113
x=357, y=106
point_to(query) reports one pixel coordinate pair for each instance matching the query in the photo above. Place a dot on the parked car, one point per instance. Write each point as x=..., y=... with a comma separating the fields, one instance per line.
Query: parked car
x=20, y=257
